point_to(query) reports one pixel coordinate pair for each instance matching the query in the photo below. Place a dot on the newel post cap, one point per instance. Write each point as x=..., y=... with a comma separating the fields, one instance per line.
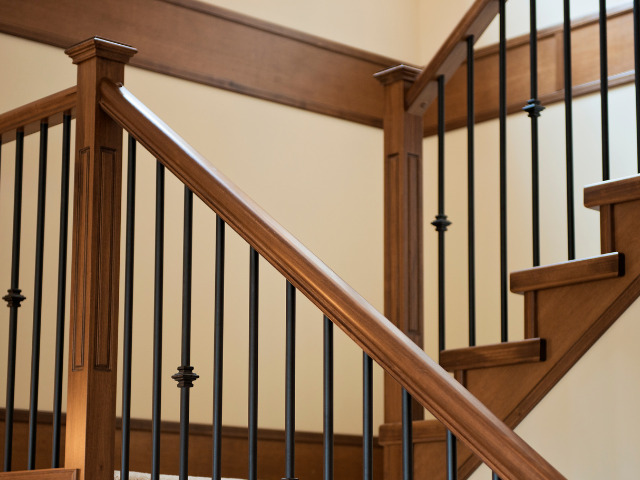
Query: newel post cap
x=397, y=73
x=100, y=47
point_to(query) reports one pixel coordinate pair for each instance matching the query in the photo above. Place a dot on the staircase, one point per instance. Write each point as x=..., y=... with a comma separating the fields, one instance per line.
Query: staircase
x=568, y=307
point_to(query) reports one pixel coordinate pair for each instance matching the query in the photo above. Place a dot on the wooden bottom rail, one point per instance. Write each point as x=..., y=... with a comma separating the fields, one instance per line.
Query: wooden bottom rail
x=50, y=474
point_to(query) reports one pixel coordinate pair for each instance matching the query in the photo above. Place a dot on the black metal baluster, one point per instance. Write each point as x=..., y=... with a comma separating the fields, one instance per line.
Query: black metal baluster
x=407, y=436
x=503, y=175
x=157, y=322
x=367, y=417
x=636, y=57
x=604, y=90
x=568, y=112
x=13, y=299
x=128, y=309
x=37, y=297
x=254, y=271
x=452, y=456
x=441, y=223
x=328, y=398
x=534, y=109
x=494, y=476
x=62, y=289
x=471, y=118
x=290, y=388
x=185, y=376
x=218, y=349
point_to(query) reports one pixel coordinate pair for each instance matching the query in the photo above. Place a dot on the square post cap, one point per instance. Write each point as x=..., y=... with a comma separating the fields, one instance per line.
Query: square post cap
x=100, y=47
x=397, y=73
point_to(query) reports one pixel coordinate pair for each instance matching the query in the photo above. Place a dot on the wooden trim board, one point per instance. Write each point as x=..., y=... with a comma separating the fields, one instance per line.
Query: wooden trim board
x=224, y=49
x=499, y=354
x=46, y=474
x=309, y=446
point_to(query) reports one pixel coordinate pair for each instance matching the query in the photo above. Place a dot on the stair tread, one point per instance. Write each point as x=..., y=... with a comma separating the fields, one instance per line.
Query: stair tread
x=612, y=191
x=499, y=354
x=601, y=267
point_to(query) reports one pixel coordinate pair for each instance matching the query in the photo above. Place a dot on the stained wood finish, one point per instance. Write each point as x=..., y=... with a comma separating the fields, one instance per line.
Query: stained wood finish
x=484, y=356
x=28, y=117
x=530, y=315
x=271, y=449
x=426, y=381
x=607, y=229
x=610, y=265
x=48, y=474
x=95, y=265
x=450, y=56
x=611, y=192
x=586, y=74
x=217, y=47
x=586, y=311
x=423, y=432
x=403, y=229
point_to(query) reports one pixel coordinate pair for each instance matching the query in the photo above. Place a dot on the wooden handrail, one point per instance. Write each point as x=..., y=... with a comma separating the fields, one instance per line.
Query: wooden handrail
x=29, y=116
x=497, y=445
x=450, y=56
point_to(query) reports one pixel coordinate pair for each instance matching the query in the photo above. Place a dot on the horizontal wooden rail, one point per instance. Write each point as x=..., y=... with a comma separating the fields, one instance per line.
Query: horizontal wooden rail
x=29, y=116
x=573, y=272
x=613, y=191
x=48, y=474
x=450, y=56
x=498, y=446
x=499, y=354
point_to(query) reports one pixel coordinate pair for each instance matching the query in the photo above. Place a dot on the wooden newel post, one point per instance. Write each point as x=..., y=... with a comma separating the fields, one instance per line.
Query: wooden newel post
x=403, y=237
x=93, y=344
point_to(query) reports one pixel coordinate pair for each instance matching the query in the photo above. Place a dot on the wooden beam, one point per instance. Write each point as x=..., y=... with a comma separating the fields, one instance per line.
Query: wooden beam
x=450, y=56
x=572, y=272
x=403, y=235
x=586, y=74
x=613, y=191
x=49, y=474
x=95, y=264
x=214, y=46
x=499, y=354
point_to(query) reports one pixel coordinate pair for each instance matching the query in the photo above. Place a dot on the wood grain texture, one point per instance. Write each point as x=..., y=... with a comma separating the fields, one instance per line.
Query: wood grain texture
x=530, y=315
x=607, y=229
x=47, y=474
x=585, y=63
x=484, y=356
x=592, y=269
x=403, y=223
x=95, y=265
x=450, y=56
x=28, y=117
x=426, y=381
x=611, y=192
x=214, y=46
x=271, y=449
x=586, y=311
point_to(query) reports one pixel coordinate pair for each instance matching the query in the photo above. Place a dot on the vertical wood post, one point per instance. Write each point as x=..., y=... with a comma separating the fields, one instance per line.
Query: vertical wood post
x=95, y=270
x=403, y=237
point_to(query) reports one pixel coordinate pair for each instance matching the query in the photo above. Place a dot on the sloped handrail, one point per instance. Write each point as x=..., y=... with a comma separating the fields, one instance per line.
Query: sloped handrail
x=487, y=436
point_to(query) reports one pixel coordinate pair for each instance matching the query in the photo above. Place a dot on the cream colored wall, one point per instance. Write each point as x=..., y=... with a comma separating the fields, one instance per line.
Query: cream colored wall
x=569, y=427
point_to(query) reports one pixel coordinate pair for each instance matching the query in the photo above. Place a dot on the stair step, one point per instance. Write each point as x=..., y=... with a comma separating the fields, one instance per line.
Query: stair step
x=424, y=431
x=610, y=265
x=612, y=191
x=499, y=354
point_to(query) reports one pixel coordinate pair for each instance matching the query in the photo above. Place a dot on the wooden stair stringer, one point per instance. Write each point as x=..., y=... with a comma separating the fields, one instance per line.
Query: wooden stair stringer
x=571, y=319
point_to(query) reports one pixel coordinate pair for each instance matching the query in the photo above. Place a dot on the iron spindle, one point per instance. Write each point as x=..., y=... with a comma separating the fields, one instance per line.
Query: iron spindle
x=636, y=57
x=441, y=223
x=367, y=417
x=452, y=457
x=290, y=381
x=37, y=297
x=62, y=289
x=218, y=349
x=504, y=279
x=128, y=309
x=407, y=436
x=185, y=376
x=604, y=90
x=568, y=112
x=328, y=398
x=471, y=187
x=13, y=299
x=534, y=109
x=494, y=476
x=254, y=272
x=157, y=322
